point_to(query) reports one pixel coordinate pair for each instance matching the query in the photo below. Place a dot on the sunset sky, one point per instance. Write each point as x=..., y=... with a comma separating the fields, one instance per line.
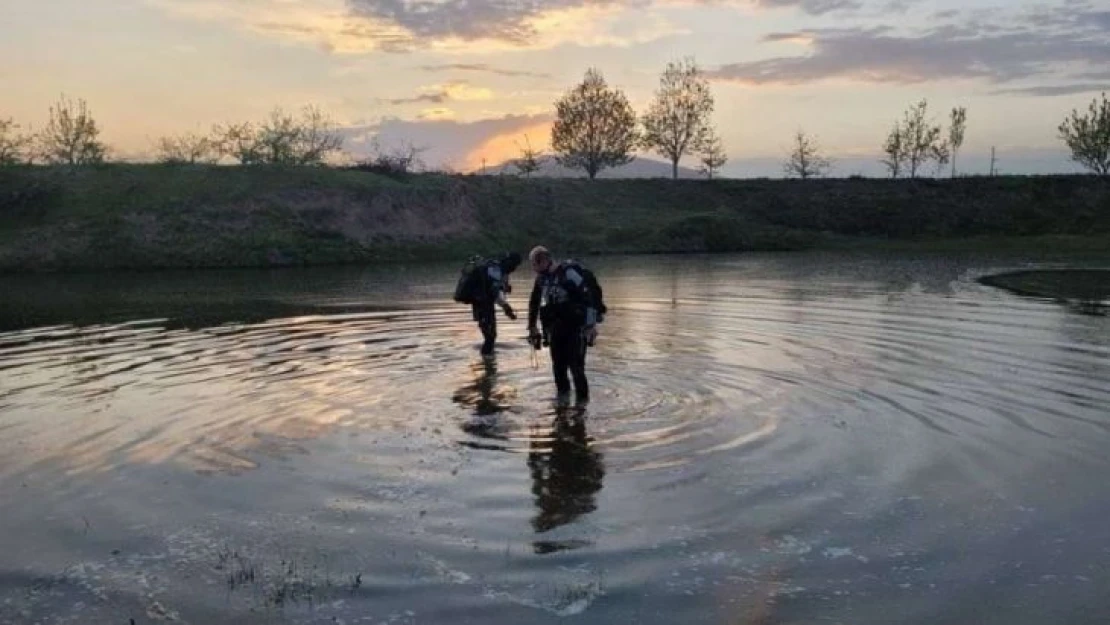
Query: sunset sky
x=470, y=79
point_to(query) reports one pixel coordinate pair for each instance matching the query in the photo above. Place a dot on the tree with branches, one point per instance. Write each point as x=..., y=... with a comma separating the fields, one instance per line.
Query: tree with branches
x=712, y=156
x=529, y=161
x=956, y=128
x=806, y=160
x=915, y=141
x=397, y=162
x=677, y=122
x=282, y=139
x=71, y=135
x=921, y=138
x=238, y=141
x=188, y=148
x=595, y=126
x=14, y=146
x=1088, y=136
x=318, y=137
x=895, y=150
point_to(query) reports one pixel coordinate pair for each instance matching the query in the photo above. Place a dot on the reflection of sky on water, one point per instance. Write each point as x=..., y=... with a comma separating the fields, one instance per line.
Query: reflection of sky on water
x=761, y=427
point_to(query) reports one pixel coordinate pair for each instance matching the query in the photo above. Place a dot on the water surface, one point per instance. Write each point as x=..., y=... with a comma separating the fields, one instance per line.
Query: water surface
x=805, y=438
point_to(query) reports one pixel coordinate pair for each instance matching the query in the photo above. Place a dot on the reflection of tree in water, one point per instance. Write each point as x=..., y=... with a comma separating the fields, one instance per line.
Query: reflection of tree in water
x=486, y=399
x=566, y=475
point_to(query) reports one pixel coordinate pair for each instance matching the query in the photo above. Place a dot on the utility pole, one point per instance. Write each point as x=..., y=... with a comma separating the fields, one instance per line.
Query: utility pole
x=993, y=161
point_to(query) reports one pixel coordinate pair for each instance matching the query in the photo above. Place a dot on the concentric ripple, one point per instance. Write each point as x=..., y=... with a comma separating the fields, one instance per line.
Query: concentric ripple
x=792, y=439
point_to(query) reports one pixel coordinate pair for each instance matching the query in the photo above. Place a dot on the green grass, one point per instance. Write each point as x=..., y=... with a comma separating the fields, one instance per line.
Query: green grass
x=157, y=216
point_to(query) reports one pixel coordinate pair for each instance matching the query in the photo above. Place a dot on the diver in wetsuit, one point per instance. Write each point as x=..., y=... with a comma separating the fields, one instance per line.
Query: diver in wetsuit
x=566, y=299
x=490, y=291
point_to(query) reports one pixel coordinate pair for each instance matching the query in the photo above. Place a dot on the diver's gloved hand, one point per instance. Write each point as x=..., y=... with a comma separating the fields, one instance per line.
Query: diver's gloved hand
x=535, y=339
x=508, y=311
x=590, y=334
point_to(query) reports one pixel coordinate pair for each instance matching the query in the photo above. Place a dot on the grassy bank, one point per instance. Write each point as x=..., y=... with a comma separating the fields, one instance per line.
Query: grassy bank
x=155, y=216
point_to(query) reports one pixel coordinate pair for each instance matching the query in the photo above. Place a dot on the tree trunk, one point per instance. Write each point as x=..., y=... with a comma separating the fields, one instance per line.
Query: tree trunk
x=674, y=169
x=953, y=163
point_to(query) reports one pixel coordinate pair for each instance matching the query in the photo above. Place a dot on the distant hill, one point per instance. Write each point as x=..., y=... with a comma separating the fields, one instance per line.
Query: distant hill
x=639, y=168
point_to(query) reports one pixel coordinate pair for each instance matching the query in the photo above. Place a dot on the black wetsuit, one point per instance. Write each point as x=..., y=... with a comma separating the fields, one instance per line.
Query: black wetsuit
x=493, y=290
x=565, y=304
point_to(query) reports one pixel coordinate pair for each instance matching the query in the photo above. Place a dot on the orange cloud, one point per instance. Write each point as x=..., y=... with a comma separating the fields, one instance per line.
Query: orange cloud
x=463, y=91
x=504, y=147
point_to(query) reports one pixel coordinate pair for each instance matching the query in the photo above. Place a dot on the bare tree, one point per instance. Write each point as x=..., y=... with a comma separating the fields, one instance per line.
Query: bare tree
x=941, y=152
x=529, y=161
x=712, y=156
x=319, y=138
x=187, y=148
x=956, y=133
x=70, y=137
x=282, y=139
x=595, y=126
x=14, y=146
x=919, y=137
x=914, y=142
x=677, y=122
x=806, y=160
x=278, y=137
x=895, y=149
x=398, y=161
x=1088, y=136
x=238, y=141
x=407, y=157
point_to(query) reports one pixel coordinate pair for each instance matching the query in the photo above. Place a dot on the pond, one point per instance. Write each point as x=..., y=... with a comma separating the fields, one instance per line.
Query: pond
x=794, y=438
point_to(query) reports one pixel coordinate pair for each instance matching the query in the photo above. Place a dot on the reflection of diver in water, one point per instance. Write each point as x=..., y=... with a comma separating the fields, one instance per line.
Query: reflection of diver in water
x=565, y=477
x=480, y=394
x=485, y=398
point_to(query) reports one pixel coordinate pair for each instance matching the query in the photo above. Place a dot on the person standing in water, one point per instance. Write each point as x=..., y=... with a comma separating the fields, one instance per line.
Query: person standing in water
x=484, y=287
x=567, y=301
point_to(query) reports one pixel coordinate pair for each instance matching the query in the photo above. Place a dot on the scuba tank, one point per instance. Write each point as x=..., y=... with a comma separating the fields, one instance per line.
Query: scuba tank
x=470, y=280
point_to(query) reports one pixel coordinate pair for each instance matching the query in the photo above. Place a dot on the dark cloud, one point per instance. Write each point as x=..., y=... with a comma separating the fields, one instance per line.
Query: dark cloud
x=441, y=94
x=899, y=6
x=1036, y=43
x=510, y=20
x=438, y=97
x=1101, y=19
x=773, y=37
x=483, y=68
x=813, y=7
x=504, y=20
x=1052, y=90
